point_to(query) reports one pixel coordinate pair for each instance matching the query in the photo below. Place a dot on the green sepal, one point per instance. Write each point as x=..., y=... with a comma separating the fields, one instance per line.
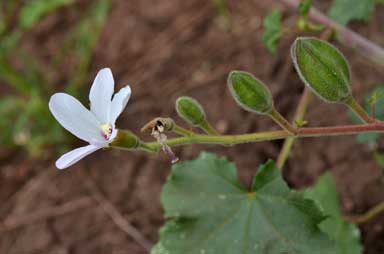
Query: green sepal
x=250, y=93
x=323, y=68
x=190, y=110
x=126, y=139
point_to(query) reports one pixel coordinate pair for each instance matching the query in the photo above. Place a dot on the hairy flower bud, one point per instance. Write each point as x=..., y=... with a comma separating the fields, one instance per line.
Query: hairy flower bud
x=323, y=68
x=249, y=92
x=190, y=110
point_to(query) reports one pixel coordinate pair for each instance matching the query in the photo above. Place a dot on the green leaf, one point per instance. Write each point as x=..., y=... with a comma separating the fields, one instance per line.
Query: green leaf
x=249, y=92
x=272, y=31
x=190, y=110
x=212, y=213
x=323, y=68
x=344, y=11
x=305, y=7
x=35, y=10
x=345, y=234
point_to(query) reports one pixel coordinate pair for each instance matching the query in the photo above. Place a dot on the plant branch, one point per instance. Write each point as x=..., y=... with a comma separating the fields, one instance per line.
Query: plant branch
x=181, y=131
x=207, y=127
x=262, y=136
x=299, y=116
x=346, y=36
x=359, y=111
x=369, y=215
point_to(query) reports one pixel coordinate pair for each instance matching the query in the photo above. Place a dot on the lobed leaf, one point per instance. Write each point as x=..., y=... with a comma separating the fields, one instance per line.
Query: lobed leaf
x=210, y=212
x=345, y=234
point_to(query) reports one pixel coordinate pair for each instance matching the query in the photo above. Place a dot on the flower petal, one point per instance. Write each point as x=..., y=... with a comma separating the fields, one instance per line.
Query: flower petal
x=119, y=102
x=101, y=94
x=75, y=118
x=75, y=155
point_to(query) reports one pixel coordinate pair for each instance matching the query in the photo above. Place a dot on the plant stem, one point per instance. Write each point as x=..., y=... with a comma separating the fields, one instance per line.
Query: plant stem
x=299, y=116
x=262, y=136
x=371, y=214
x=181, y=131
x=280, y=120
x=207, y=127
x=346, y=36
x=359, y=111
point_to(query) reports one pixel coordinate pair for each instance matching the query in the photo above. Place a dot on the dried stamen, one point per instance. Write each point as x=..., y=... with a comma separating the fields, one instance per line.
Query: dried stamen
x=157, y=133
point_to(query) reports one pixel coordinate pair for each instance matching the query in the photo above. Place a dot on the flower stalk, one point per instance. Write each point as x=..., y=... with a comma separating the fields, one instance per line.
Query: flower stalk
x=261, y=136
x=280, y=120
x=359, y=111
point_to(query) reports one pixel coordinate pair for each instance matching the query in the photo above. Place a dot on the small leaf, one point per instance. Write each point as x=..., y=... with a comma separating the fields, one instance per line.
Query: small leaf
x=249, y=92
x=212, y=213
x=190, y=110
x=323, y=68
x=305, y=7
x=35, y=10
x=344, y=11
x=345, y=234
x=272, y=31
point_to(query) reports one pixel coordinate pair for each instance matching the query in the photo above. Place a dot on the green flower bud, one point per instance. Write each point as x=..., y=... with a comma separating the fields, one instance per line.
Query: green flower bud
x=323, y=68
x=190, y=110
x=249, y=92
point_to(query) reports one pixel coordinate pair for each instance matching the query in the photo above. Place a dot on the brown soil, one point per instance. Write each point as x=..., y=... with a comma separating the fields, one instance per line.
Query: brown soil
x=165, y=49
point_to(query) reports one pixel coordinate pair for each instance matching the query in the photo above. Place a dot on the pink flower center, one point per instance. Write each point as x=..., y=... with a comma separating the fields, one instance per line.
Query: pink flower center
x=106, y=130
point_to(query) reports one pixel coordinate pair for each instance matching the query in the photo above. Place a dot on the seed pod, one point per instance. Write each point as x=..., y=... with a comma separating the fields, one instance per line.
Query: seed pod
x=190, y=110
x=249, y=92
x=323, y=68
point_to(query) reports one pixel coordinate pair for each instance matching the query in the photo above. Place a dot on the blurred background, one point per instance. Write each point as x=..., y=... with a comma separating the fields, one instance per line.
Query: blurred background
x=110, y=202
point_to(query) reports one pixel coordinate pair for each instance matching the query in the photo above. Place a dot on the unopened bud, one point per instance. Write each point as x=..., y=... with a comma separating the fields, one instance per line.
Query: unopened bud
x=249, y=92
x=190, y=110
x=323, y=68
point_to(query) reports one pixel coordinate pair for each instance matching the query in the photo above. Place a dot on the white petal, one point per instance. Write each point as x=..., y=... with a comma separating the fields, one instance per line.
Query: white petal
x=119, y=102
x=75, y=118
x=101, y=94
x=74, y=156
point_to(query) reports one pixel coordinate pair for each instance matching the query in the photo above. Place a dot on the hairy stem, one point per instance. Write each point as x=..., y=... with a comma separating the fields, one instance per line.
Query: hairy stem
x=359, y=111
x=346, y=36
x=207, y=127
x=299, y=116
x=280, y=120
x=181, y=131
x=261, y=136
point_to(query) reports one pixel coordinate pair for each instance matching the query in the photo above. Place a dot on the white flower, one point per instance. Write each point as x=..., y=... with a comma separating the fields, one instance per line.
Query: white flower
x=95, y=126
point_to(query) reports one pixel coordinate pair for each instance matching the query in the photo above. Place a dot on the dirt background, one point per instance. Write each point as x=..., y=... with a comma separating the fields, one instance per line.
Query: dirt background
x=165, y=49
